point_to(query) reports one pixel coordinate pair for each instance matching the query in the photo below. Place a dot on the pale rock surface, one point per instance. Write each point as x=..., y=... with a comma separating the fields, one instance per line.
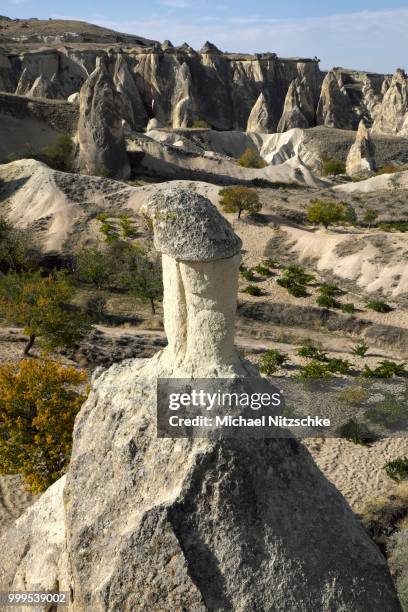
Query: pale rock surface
x=182, y=101
x=259, y=119
x=100, y=130
x=133, y=108
x=360, y=159
x=334, y=108
x=163, y=524
x=392, y=115
x=74, y=98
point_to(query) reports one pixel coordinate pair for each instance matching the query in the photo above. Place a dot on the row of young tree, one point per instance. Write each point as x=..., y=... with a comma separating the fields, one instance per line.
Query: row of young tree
x=42, y=303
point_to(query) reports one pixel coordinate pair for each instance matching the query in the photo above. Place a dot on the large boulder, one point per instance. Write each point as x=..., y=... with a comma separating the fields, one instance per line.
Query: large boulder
x=100, y=130
x=360, y=159
x=156, y=524
x=392, y=115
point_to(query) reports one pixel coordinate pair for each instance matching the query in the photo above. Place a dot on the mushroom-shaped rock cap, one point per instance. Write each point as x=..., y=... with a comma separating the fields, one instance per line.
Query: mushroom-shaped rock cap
x=188, y=227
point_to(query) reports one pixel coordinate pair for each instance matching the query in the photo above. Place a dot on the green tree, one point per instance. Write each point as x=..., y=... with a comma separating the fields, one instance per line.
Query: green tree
x=326, y=212
x=39, y=401
x=60, y=154
x=370, y=216
x=251, y=159
x=239, y=199
x=41, y=305
x=18, y=249
x=143, y=278
x=94, y=266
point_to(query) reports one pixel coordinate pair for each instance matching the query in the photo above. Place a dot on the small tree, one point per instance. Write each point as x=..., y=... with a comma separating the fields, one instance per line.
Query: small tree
x=94, y=266
x=239, y=199
x=18, y=250
x=370, y=216
x=326, y=212
x=60, y=154
x=40, y=305
x=251, y=159
x=143, y=279
x=39, y=402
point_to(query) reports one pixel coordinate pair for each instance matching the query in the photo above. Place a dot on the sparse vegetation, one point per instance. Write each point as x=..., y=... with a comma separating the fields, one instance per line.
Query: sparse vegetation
x=333, y=167
x=94, y=266
x=271, y=361
x=18, y=249
x=339, y=366
x=360, y=349
x=143, y=278
x=200, y=124
x=239, y=200
x=311, y=352
x=356, y=432
x=379, y=306
x=389, y=411
x=356, y=395
x=327, y=301
x=348, y=308
x=251, y=159
x=39, y=401
x=253, y=290
x=248, y=275
x=397, y=469
x=295, y=279
x=385, y=369
x=262, y=270
x=314, y=370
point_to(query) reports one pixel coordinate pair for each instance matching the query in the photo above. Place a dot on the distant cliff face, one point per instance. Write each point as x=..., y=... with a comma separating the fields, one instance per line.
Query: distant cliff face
x=179, y=86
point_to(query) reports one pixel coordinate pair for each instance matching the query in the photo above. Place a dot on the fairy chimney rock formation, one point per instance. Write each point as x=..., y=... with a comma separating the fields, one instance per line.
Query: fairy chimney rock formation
x=360, y=159
x=201, y=256
x=100, y=136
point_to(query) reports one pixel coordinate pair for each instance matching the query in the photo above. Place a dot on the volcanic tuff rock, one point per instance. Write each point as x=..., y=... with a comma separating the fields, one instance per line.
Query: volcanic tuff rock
x=153, y=524
x=100, y=130
x=178, y=85
x=360, y=159
x=392, y=116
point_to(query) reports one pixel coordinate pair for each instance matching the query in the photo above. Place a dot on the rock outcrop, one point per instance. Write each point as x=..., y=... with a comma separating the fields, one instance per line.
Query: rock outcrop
x=392, y=115
x=360, y=159
x=164, y=524
x=100, y=131
x=259, y=119
x=299, y=109
x=134, y=111
x=334, y=108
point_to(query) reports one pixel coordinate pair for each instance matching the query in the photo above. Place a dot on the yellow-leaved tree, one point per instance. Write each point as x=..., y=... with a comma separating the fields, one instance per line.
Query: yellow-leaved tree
x=39, y=400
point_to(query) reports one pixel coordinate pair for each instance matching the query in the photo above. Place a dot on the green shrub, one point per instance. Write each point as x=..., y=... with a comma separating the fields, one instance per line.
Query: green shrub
x=397, y=469
x=348, y=308
x=262, y=270
x=370, y=216
x=385, y=369
x=126, y=225
x=329, y=289
x=60, y=154
x=271, y=361
x=398, y=561
x=253, y=290
x=200, y=124
x=327, y=301
x=251, y=159
x=333, y=167
x=379, y=306
x=269, y=263
x=356, y=432
x=396, y=226
x=360, y=349
x=388, y=169
x=248, y=275
x=311, y=352
x=340, y=366
x=314, y=370
x=294, y=280
x=96, y=307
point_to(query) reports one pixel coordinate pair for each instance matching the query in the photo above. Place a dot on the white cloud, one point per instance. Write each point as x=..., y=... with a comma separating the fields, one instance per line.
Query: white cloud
x=367, y=40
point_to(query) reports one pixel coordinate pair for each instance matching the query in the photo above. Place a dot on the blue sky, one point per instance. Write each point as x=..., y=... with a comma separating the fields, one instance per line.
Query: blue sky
x=352, y=33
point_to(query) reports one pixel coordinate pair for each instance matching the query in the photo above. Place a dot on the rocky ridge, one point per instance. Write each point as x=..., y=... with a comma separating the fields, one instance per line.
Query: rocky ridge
x=261, y=92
